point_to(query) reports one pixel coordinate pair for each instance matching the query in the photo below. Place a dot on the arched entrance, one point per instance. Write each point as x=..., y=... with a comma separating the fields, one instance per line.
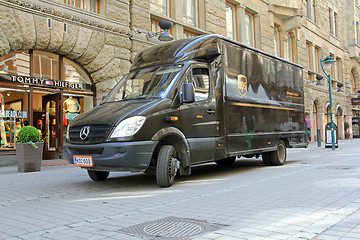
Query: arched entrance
x=45, y=90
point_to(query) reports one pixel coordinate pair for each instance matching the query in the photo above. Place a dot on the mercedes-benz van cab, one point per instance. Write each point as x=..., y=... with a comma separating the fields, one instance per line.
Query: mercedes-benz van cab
x=192, y=101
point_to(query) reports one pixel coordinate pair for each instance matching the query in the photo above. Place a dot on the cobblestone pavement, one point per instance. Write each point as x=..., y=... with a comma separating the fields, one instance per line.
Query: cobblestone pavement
x=315, y=195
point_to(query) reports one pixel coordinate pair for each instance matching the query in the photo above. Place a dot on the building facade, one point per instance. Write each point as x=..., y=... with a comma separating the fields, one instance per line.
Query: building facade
x=58, y=58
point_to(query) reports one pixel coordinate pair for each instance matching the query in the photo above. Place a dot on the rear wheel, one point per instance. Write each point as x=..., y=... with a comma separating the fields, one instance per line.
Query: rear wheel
x=266, y=159
x=278, y=157
x=226, y=162
x=167, y=166
x=98, y=175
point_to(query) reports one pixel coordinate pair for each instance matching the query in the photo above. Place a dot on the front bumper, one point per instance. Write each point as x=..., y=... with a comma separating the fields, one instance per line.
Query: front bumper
x=114, y=156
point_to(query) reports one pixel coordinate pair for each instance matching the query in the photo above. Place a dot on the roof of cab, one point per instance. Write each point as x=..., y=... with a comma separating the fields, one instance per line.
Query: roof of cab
x=204, y=47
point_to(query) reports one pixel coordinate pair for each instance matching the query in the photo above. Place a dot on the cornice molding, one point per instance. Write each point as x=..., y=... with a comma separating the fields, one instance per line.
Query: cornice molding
x=68, y=14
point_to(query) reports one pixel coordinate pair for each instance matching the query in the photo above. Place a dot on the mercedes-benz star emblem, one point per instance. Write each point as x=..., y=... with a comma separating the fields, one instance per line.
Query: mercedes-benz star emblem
x=84, y=132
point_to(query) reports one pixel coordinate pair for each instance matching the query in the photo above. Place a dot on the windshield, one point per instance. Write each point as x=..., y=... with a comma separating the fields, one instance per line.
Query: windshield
x=145, y=83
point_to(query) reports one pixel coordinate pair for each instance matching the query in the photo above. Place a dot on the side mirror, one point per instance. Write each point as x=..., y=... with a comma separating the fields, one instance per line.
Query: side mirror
x=189, y=93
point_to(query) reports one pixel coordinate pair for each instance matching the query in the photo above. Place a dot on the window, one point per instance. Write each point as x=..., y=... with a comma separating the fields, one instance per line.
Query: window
x=188, y=34
x=309, y=55
x=17, y=63
x=249, y=29
x=89, y=5
x=333, y=23
x=289, y=42
x=46, y=65
x=310, y=10
x=190, y=12
x=277, y=40
x=357, y=33
x=339, y=69
x=155, y=26
x=331, y=20
x=336, y=24
x=317, y=60
x=162, y=6
x=200, y=78
x=231, y=20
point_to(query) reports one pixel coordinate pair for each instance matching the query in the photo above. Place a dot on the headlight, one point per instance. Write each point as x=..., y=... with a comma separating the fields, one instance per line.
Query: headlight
x=128, y=127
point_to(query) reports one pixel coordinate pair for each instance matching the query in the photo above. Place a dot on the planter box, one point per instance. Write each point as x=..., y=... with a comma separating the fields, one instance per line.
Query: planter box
x=29, y=158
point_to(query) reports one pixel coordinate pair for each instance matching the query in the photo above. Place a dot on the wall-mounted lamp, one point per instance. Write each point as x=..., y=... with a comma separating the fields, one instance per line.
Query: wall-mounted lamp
x=340, y=85
x=163, y=36
x=319, y=78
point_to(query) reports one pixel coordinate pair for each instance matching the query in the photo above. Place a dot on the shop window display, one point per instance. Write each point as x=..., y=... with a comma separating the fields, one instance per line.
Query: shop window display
x=45, y=90
x=12, y=116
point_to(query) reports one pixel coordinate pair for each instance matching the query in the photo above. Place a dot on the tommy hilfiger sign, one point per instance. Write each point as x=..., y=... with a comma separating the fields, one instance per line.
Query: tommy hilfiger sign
x=45, y=82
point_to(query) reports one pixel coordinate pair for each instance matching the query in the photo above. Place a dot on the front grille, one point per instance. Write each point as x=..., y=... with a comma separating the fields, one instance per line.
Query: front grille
x=87, y=151
x=97, y=133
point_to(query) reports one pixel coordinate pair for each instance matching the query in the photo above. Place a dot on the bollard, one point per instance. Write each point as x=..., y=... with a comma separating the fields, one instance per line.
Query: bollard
x=318, y=138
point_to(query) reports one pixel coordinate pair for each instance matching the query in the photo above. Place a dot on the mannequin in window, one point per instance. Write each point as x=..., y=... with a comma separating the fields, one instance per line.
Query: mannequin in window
x=2, y=124
x=71, y=105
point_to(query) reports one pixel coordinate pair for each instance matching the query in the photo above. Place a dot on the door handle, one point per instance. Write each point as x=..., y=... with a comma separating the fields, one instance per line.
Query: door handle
x=210, y=111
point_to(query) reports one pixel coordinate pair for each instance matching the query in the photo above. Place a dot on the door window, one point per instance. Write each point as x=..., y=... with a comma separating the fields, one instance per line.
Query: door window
x=201, y=80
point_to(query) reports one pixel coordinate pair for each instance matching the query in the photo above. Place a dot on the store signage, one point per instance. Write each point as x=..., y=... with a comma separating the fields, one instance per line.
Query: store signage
x=355, y=101
x=13, y=114
x=45, y=82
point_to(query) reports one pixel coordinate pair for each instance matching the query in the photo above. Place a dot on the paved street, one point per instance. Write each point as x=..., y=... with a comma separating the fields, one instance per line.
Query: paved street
x=316, y=195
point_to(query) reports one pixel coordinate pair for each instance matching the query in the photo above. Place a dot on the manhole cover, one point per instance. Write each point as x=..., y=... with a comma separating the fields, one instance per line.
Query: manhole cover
x=171, y=228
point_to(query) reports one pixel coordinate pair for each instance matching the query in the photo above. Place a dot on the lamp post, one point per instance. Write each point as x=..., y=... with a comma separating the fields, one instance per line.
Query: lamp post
x=329, y=62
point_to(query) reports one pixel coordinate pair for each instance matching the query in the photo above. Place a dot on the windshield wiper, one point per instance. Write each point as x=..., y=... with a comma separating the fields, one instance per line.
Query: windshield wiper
x=141, y=97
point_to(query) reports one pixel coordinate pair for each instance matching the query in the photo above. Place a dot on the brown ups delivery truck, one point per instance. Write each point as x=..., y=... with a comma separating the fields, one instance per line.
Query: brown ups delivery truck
x=192, y=101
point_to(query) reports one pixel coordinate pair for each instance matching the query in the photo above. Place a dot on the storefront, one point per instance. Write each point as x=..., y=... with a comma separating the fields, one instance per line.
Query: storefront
x=45, y=90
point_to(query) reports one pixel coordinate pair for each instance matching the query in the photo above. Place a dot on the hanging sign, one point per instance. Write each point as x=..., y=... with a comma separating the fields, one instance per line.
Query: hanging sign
x=355, y=101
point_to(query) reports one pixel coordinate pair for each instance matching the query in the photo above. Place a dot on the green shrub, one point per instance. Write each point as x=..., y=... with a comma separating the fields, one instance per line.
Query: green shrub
x=346, y=125
x=29, y=134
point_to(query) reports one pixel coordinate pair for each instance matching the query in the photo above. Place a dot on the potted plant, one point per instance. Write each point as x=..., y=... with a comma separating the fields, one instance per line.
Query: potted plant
x=347, y=132
x=29, y=149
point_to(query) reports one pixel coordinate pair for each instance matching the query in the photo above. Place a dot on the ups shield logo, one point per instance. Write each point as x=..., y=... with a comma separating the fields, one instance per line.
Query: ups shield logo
x=242, y=84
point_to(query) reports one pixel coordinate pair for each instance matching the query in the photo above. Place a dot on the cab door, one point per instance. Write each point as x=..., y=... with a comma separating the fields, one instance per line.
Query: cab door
x=199, y=119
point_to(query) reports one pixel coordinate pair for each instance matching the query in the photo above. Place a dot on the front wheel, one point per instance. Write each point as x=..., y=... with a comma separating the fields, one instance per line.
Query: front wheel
x=167, y=166
x=98, y=175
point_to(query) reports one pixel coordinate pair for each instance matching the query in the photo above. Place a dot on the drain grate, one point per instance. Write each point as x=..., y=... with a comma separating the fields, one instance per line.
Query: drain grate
x=171, y=228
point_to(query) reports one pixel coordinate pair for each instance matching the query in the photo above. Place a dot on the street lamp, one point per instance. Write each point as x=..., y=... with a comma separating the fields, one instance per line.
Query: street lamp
x=329, y=62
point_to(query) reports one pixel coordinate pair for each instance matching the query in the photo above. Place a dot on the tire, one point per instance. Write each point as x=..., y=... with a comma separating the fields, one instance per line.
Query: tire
x=98, y=175
x=266, y=159
x=226, y=162
x=167, y=166
x=278, y=157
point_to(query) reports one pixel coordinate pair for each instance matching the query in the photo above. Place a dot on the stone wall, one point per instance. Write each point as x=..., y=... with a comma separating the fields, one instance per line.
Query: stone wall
x=101, y=44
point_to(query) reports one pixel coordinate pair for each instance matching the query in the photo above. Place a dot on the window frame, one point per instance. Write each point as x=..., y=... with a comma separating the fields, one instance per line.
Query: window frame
x=250, y=29
x=83, y=5
x=190, y=72
x=196, y=13
x=234, y=20
x=310, y=10
x=277, y=40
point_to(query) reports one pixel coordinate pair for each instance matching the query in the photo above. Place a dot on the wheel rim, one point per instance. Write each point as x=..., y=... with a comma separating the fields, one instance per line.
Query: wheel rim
x=173, y=167
x=281, y=152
